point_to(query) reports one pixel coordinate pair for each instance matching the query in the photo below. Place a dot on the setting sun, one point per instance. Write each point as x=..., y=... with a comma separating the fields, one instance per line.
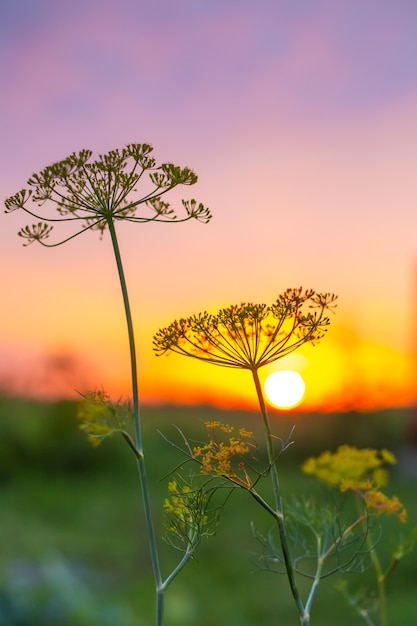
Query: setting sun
x=285, y=389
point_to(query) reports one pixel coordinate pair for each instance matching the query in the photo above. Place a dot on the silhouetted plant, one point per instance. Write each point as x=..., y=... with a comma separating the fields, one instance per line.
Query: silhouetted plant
x=314, y=539
x=96, y=195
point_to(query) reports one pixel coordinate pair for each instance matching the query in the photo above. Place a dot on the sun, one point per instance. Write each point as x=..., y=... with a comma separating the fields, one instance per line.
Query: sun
x=284, y=389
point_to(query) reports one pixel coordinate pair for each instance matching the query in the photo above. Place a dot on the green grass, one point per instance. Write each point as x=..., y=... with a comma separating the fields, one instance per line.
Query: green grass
x=84, y=524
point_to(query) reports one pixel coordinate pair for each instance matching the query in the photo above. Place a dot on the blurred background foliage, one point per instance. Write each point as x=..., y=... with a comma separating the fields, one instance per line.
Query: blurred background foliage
x=72, y=538
x=44, y=437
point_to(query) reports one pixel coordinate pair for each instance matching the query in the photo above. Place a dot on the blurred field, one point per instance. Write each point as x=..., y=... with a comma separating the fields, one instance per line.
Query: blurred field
x=72, y=542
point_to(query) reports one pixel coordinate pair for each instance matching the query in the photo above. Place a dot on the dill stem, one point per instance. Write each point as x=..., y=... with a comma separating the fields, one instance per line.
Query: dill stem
x=381, y=580
x=279, y=514
x=140, y=458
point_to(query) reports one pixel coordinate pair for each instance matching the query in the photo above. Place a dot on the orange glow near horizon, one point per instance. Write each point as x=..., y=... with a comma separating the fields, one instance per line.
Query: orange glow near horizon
x=345, y=371
x=335, y=379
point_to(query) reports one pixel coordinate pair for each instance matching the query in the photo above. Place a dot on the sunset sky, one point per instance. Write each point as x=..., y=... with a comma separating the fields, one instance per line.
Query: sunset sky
x=300, y=119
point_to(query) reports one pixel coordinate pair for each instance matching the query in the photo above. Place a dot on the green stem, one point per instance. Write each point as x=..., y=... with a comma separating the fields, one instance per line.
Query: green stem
x=344, y=534
x=380, y=579
x=263, y=503
x=138, y=435
x=186, y=557
x=321, y=557
x=304, y=617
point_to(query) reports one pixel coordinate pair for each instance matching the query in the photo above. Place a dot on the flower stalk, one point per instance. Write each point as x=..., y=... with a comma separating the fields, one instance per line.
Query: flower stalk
x=272, y=460
x=94, y=195
x=139, y=453
x=249, y=336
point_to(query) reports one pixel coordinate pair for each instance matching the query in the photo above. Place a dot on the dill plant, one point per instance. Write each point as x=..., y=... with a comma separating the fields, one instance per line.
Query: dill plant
x=315, y=538
x=87, y=194
x=362, y=473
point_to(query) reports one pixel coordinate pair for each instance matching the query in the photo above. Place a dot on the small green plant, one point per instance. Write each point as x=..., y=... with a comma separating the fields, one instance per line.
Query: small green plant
x=95, y=195
x=315, y=539
x=362, y=473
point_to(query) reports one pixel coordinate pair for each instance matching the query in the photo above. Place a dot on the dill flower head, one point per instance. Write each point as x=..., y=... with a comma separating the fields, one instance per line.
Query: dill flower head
x=249, y=335
x=96, y=192
x=217, y=457
x=100, y=417
x=360, y=470
x=350, y=463
x=187, y=516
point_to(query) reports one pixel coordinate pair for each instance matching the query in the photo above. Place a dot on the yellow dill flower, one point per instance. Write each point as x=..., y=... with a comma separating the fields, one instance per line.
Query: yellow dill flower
x=360, y=471
x=176, y=504
x=212, y=425
x=348, y=484
x=185, y=514
x=217, y=457
x=245, y=434
x=387, y=456
x=351, y=463
x=172, y=486
x=381, y=503
x=219, y=425
x=100, y=417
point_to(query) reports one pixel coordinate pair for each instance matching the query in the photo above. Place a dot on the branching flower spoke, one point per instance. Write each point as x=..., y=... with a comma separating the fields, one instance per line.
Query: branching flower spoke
x=248, y=335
